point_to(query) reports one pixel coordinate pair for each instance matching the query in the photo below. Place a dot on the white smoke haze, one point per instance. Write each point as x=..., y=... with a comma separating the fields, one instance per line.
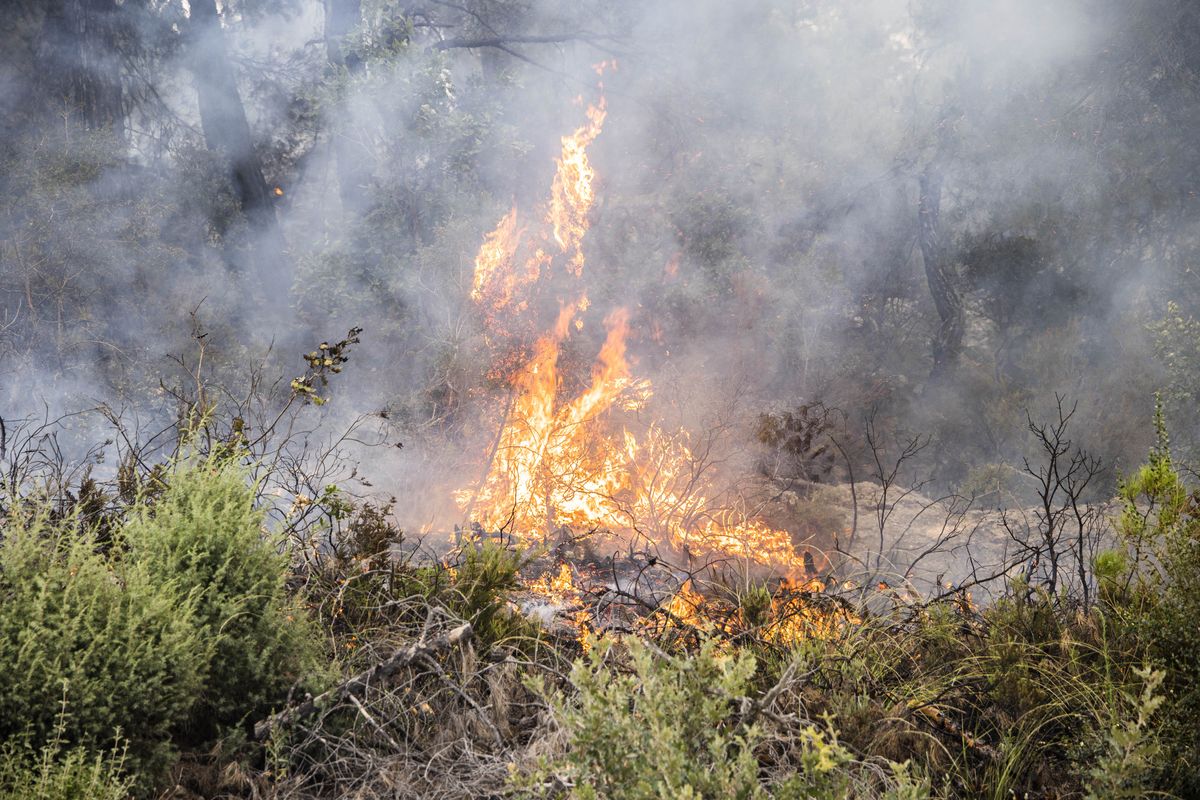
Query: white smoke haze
x=757, y=199
x=585, y=397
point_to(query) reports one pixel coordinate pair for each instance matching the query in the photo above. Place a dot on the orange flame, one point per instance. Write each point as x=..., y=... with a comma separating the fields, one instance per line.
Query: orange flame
x=684, y=607
x=493, y=273
x=572, y=194
x=567, y=461
x=557, y=587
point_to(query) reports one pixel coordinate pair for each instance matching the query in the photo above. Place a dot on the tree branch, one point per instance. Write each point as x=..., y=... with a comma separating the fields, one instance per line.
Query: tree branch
x=502, y=41
x=361, y=682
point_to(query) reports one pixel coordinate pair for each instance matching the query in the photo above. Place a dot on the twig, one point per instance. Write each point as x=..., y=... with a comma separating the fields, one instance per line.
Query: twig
x=371, y=720
x=359, y=683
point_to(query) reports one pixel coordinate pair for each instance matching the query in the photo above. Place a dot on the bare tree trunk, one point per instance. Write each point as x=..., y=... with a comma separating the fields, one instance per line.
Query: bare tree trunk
x=947, y=341
x=227, y=134
x=222, y=115
x=78, y=64
x=342, y=18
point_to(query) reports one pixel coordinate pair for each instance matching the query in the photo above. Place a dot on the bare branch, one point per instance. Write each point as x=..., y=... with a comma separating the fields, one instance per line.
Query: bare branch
x=359, y=684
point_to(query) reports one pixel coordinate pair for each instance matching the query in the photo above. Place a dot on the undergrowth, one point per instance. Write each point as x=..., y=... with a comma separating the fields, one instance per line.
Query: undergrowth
x=140, y=652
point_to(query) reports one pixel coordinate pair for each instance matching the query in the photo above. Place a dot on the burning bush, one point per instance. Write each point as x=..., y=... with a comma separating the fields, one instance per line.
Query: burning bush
x=712, y=682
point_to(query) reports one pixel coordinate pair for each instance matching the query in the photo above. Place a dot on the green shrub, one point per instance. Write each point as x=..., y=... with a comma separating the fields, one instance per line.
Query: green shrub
x=1128, y=764
x=1161, y=524
x=676, y=726
x=205, y=537
x=663, y=730
x=117, y=644
x=483, y=577
x=55, y=774
x=754, y=606
x=1111, y=568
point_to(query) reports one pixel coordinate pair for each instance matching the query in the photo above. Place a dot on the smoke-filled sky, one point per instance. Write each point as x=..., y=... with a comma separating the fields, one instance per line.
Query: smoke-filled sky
x=759, y=208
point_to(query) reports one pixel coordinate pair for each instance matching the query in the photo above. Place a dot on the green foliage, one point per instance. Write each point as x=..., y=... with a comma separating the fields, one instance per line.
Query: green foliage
x=1130, y=759
x=1111, y=568
x=642, y=724
x=365, y=586
x=483, y=578
x=824, y=767
x=205, y=537
x=176, y=628
x=54, y=773
x=754, y=606
x=357, y=572
x=1154, y=499
x=1161, y=523
x=1000, y=701
x=115, y=642
x=666, y=729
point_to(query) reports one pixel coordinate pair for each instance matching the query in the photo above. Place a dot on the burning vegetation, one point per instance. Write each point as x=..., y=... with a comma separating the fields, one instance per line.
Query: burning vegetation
x=592, y=464
x=782, y=430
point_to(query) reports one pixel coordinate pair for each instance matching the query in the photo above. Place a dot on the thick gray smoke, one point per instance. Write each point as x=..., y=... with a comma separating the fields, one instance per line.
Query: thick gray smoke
x=781, y=187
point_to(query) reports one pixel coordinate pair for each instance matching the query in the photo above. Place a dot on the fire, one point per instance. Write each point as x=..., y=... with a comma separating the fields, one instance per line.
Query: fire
x=551, y=466
x=558, y=587
x=794, y=615
x=495, y=256
x=584, y=460
x=795, y=611
x=572, y=193
x=684, y=607
x=502, y=277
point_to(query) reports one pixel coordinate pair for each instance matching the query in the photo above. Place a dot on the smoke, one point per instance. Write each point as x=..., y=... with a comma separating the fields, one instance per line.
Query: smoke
x=756, y=211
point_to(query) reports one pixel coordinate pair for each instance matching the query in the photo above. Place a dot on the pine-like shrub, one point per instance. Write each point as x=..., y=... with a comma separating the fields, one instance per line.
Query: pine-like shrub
x=118, y=646
x=205, y=537
x=483, y=577
x=56, y=773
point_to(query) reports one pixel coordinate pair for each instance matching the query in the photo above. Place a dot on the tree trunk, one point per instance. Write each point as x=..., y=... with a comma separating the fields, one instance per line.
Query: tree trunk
x=342, y=18
x=78, y=65
x=222, y=115
x=227, y=134
x=947, y=341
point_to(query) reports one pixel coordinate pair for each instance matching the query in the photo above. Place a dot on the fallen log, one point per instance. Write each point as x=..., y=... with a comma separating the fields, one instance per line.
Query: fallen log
x=358, y=685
